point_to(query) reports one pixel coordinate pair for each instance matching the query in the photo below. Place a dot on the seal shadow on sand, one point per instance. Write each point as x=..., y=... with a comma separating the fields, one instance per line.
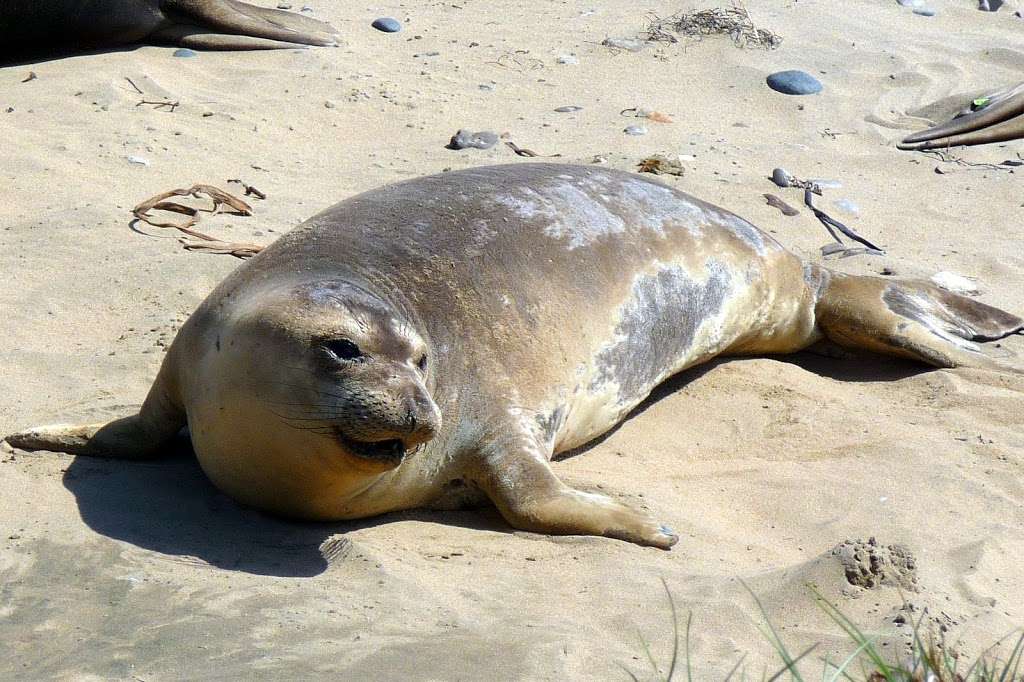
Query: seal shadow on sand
x=168, y=505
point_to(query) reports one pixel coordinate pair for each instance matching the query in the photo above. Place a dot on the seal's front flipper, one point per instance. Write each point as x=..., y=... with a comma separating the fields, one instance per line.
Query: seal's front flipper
x=136, y=437
x=530, y=497
x=912, y=319
x=218, y=18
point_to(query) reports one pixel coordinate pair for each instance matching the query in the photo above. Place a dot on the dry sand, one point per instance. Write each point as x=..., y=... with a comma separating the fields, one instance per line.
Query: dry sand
x=118, y=570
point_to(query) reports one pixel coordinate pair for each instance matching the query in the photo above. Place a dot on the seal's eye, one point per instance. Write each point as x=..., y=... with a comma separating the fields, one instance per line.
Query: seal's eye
x=343, y=349
x=422, y=363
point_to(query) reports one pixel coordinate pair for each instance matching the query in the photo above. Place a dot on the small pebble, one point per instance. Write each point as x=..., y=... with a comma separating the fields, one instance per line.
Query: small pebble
x=635, y=130
x=794, y=83
x=486, y=87
x=567, y=59
x=924, y=11
x=628, y=44
x=138, y=160
x=781, y=177
x=283, y=5
x=990, y=5
x=387, y=24
x=185, y=52
x=466, y=139
x=846, y=206
x=328, y=104
x=910, y=3
x=568, y=109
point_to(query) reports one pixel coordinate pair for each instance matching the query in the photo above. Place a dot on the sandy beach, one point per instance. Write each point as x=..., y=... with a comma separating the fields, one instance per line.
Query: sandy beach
x=779, y=473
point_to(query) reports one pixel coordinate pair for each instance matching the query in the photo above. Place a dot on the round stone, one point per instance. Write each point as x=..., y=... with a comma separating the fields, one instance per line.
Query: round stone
x=781, y=177
x=387, y=24
x=794, y=83
x=467, y=139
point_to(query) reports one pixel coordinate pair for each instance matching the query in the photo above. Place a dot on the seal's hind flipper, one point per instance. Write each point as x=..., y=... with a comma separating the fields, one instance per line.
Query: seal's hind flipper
x=266, y=28
x=201, y=39
x=911, y=319
x=1002, y=119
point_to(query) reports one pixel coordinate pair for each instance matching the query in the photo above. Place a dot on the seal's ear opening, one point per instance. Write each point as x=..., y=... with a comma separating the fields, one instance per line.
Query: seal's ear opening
x=912, y=319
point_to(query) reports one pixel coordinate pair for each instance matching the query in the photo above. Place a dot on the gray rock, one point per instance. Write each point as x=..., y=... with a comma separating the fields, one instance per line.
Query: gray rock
x=387, y=25
x=781, y=177
x=629, y=44
x=990, y=5
x=635, y=130
x=185, y=52
x=925, y=11
x=568, y=109
x=794, y=82
x=467, y=139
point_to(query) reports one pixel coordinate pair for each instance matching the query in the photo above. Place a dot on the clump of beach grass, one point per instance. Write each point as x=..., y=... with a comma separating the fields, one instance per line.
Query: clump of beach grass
x=930, y=661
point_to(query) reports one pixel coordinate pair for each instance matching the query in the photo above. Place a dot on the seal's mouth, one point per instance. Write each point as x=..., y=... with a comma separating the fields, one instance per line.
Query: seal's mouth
x=391, y=450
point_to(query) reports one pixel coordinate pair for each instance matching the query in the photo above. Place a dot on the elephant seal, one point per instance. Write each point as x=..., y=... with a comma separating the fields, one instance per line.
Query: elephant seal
x=451, y=333
x=993, y=117
x=30, y=27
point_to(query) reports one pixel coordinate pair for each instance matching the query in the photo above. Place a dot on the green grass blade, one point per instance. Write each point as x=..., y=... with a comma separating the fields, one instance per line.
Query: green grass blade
x=855, y=634
x=675, y=636
x=735, y=668
x=1015, y=657
x=773, y=638
x=841, y=670
x=790, y=666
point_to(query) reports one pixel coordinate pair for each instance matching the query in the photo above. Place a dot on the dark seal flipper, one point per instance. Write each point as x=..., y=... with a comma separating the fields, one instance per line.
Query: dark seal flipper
x=1001, y=119
x=31, y=28
x=911, y=319
x=226, y=18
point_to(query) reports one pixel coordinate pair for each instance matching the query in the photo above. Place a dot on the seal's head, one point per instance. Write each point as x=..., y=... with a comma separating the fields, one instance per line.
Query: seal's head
x=314, y=391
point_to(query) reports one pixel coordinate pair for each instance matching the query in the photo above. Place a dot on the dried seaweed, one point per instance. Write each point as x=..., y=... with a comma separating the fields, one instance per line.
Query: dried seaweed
x=733, y=21
x=204, y=242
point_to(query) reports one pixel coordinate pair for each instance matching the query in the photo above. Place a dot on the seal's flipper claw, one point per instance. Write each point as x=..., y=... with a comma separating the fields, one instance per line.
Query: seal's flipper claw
x=1002, y=119
x=530, y=497
x=238, y=18
x=912, y=319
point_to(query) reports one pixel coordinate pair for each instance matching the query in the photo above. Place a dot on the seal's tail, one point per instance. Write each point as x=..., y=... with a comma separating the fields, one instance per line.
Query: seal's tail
x=911, y=319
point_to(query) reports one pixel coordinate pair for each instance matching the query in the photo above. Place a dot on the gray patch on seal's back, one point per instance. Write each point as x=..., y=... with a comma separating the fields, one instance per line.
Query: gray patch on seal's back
x=588, y=206
x=658, y=325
